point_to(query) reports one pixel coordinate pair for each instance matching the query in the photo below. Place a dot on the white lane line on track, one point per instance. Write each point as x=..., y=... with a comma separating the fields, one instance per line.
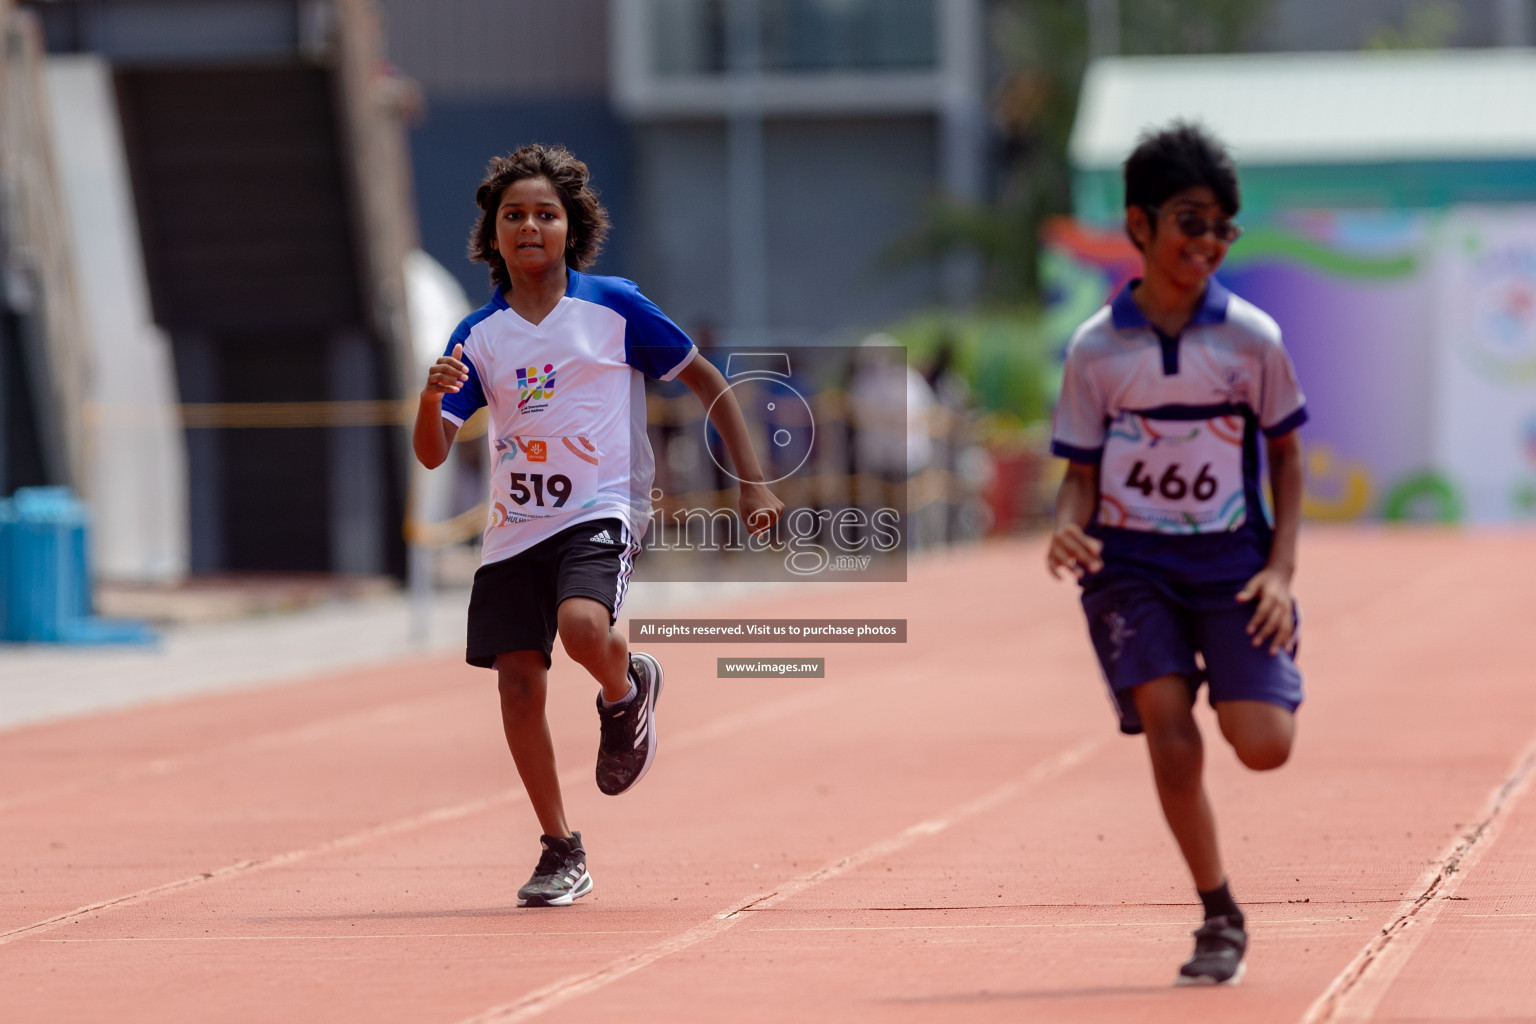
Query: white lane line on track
x=349, y=938
x=717, y=729
x=574, y=986
x=1356, y=992
x=453, y=812
x=1270, y=927
x=321, y=728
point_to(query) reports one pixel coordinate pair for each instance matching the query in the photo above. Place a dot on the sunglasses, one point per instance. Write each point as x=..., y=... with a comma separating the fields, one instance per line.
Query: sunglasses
x=1193, y=225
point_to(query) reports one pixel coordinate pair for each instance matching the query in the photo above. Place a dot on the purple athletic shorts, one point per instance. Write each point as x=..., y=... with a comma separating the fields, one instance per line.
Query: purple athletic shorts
x=1143, y=628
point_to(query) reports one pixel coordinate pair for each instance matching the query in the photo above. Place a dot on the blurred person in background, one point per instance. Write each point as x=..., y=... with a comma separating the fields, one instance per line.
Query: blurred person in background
x=954, y=447
x=889, y=404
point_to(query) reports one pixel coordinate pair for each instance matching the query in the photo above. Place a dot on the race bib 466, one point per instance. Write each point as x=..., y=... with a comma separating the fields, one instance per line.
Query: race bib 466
x=1173, y=476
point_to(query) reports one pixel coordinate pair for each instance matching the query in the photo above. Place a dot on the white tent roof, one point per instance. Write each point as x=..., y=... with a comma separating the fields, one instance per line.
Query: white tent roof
x=1317, y=107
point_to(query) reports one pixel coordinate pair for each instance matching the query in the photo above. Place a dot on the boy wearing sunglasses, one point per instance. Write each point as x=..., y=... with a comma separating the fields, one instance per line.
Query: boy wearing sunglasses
x=1168, y=393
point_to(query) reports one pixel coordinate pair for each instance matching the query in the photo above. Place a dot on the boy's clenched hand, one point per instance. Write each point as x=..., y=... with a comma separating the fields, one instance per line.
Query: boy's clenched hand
x=1072, y=549
x=760, y=507
x=447, y=375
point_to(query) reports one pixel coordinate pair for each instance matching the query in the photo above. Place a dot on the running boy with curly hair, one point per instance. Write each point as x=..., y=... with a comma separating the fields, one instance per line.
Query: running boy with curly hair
x=559, y=356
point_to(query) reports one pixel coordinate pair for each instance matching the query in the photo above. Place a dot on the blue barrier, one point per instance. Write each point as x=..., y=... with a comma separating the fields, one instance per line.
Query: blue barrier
x=7, y=520
x=45, y=581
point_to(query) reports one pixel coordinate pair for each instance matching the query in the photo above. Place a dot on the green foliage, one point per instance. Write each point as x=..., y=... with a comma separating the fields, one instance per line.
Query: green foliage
x=1188, y=26
x=1426, y=26
x=1041, y=48
x=1007, y=349
x=1003, y=354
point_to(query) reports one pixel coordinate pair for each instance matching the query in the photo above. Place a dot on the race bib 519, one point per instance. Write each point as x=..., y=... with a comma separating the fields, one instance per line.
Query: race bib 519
x=1173, y=476
x=542, y=478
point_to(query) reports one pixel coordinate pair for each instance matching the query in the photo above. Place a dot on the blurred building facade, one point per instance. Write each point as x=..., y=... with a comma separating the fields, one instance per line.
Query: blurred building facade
x=42, y=339
x=1322, y=25
x=267, y=177
x=761, y=159
x=1389, y=201
x=496, y=74
x=206, y=337
x=1402, y=130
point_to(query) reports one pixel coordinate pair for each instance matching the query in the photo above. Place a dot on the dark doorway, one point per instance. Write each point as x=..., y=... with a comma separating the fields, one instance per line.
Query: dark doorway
x=247, y=224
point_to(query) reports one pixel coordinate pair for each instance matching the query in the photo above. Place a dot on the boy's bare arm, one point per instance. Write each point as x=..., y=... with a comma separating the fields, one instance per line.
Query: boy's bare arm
x=1071, y=547
x=1273, y=615
x=760, y=508
x=432, y=436
x=1285, y=481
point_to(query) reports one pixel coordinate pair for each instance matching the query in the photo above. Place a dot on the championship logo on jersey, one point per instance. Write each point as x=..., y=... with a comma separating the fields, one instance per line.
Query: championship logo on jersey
x=535, y=389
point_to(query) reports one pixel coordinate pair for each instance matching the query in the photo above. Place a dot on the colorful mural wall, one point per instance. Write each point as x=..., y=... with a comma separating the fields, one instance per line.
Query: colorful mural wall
x=1414, y=333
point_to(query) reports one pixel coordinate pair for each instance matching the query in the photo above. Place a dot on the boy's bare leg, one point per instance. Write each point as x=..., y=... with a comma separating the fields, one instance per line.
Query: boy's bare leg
x=593, y=643
x=523, y=681
x=1178, y=757
x=1260, y=733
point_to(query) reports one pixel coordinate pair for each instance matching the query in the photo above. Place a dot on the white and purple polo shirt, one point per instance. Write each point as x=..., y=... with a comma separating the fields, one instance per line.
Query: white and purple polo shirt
x=1173, y=425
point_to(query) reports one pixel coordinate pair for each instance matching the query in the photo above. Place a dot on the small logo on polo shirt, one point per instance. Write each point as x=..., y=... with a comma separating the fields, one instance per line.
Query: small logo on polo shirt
x=1235, y=388
x=535, y=389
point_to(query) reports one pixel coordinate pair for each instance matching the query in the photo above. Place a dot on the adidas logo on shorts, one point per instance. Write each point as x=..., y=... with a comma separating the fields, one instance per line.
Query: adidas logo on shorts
x=604, y=538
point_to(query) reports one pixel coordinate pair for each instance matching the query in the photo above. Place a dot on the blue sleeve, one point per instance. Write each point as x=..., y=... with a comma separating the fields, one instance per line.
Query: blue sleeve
x=460, y=405
x=653, y=344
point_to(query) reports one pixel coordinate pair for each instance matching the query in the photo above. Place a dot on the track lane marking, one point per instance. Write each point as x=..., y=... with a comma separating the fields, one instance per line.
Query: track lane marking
x=1269, y=927
x=320, y=728
x=718, y=729
x=364, y=937
x=408, y=936
x=574, y=986
x=1355, y=992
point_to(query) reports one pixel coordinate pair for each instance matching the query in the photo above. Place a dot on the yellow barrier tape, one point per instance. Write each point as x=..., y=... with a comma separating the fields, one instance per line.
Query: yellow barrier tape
x=368, y=412
x=462, y=527
x=360, y=413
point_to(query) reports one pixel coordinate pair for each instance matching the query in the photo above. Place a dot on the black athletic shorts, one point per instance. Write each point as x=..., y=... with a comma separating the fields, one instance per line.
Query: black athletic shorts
x=513, y=603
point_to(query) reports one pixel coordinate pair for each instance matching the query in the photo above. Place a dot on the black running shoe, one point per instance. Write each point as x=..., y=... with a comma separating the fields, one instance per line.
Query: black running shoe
x=628, y=744
x=1218, y=959
x=561, y=876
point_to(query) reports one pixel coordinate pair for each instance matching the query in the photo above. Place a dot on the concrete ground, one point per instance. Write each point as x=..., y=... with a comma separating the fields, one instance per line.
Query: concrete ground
x=43, y=682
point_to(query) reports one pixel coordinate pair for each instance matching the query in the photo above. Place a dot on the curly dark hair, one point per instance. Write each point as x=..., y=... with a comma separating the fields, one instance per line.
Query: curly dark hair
x=572, y=182
x=1180, y=156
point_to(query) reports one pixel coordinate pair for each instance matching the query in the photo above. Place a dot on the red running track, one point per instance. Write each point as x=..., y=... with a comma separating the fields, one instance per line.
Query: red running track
x=946, y=830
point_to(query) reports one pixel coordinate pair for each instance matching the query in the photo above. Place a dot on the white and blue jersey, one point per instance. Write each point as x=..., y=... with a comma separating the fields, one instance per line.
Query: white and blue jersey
x=1173, y=425
x=566, y=400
